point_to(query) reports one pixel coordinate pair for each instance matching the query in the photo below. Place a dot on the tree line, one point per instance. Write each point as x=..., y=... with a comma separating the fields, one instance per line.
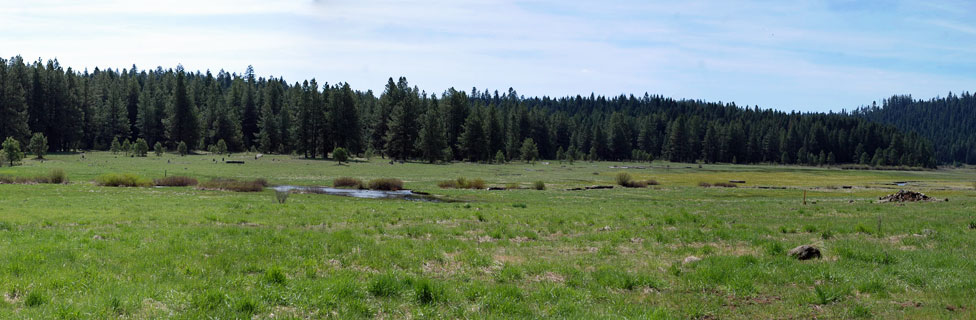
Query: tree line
x=91, y=110
x=949, y=122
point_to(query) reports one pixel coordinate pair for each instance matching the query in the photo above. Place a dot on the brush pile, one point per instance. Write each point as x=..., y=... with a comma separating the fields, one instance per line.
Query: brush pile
x=905, y=196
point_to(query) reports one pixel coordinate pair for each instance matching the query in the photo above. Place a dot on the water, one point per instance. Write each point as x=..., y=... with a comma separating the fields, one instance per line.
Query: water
x=365, y=194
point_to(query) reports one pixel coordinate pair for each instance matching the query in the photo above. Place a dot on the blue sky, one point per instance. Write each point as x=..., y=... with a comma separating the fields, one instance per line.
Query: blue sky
x=788, y=55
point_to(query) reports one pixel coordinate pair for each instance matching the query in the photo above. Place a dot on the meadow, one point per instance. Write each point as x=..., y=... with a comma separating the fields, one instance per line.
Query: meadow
x=82, y=251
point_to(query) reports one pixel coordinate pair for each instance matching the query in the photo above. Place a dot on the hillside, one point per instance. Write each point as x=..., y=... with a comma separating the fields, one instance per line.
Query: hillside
x=949, y=122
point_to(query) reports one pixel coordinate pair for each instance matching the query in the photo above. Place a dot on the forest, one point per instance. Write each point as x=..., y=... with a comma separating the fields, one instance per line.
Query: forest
x=82, y=110
x=949, y=122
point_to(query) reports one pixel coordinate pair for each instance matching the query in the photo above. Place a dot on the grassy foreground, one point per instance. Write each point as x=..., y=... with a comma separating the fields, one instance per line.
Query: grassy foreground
x=80, y=251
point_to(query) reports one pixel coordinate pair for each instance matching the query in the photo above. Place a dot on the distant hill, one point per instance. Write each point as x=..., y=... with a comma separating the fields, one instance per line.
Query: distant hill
x=949, y=122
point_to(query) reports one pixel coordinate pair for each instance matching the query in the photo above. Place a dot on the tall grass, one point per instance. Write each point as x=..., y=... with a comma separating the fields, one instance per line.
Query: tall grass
x=347, y=182
x=56, y=176
x=234, y=185
x=624, y=179
x=386, y=184
x=122, y=180
x=462, y=183
x=175, y=181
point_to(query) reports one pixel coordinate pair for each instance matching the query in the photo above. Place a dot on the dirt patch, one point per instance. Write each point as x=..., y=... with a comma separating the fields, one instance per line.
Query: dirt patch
x=549, y=276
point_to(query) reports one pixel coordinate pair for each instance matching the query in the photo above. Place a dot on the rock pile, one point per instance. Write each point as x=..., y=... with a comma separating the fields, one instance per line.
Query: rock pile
x=905, y=196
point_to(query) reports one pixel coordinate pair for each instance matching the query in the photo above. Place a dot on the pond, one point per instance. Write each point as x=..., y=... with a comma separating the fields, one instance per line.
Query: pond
x=365, y=194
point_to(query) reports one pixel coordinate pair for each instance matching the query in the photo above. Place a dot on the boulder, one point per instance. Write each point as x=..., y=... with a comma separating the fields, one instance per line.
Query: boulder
x=805, y=252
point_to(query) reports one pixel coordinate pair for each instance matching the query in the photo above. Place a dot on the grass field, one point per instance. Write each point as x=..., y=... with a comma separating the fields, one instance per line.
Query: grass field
x=81, y=251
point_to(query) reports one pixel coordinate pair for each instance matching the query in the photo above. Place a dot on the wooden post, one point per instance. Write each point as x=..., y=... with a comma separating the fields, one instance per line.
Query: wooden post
x=804, y=197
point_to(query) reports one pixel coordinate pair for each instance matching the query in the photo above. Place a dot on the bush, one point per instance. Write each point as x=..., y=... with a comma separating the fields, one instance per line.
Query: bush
x=175, y=181
x=477, y=184
x=234, y=185
x=624, y=179
x=725, y=184
x=704, y=184
x=449, y=184
x=57, y=176
x=463, y=183
x=347, y=182
x=282, y=196
x=386, y=184
x=122, y=180
x=539, y=185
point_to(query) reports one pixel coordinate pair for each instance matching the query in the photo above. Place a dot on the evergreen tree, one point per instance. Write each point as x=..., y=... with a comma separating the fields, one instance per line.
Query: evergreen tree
x=472, y=143
x=13, y=104
x=499, y=157
x=140, y=148
x=345, y=117
x=183, y=123
x=529, y=151
x=620, y=136
x=182, y=149
x=403, y=124
x=116, y=146
x=158, y=148
x=11, y=151
x=38, y=145
x=432, y=140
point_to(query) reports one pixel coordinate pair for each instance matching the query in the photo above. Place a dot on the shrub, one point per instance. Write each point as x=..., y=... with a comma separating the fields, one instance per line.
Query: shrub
x=387, y=184
x=57, y=176
x=234, y=185
x=282, y=196
x=122, y=180
x=476, y=184
x=449, y=184
x=725, y=184
x=623, y=178
x=182, y=148
x=175, y=181
x=158, y=149
x=539, y=185
x=347, y=182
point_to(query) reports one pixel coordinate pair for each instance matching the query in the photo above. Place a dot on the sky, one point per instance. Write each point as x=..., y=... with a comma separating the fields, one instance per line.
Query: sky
x=814, y=56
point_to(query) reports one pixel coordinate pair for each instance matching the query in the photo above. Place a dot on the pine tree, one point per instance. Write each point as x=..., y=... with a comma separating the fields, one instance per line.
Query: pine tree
x=529, y=151
x=432, y=140
x=182, y=149
x=116, y=146
x=38, y=145
x=499, y=157
x=11, y=151
x=473, y=142
x=183, y=122
x=345, y=117
x=403, y=125
x=13, y=105
x=158, y=148
x=140, y=148
x=620, y=136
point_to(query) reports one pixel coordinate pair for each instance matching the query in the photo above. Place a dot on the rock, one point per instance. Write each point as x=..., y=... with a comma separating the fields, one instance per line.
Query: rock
x=905, y=196
x=690, y=259
x=805, y=252
x=98, y=237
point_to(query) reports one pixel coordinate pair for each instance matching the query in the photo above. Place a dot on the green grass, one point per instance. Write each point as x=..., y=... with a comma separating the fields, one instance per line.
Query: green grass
x=79, y=250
